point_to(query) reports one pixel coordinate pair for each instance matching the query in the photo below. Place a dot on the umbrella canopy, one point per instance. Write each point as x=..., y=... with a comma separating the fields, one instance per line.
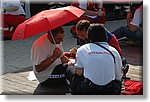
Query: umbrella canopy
x=46, y=20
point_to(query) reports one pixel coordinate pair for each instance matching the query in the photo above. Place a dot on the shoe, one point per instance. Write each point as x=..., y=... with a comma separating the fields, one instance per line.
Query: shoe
x=124, y=61
x=125, y=68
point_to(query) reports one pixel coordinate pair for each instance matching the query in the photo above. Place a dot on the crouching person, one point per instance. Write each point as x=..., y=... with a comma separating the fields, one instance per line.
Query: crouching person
x=97, y=70
x=47, y=59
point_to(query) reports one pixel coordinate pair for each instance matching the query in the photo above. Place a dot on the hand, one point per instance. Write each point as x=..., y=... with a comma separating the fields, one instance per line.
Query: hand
x=132, y=28
x=57, y=53
x=71, y=62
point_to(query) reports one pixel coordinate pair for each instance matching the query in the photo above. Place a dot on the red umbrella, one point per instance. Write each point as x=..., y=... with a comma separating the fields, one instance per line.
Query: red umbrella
x=46, y=20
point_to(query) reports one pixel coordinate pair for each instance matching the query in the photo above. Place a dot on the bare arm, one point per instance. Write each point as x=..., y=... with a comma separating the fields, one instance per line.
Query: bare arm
x=94, y=13
x=64, y=59
x=131, y=27
x=47, y=62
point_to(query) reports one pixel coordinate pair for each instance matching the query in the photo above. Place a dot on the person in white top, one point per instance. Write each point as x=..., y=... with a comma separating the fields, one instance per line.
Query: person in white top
x=90, y=11
x=47, y=58
x=134, y=28
x=101, y=69
x=94, y=12
x=13, y=14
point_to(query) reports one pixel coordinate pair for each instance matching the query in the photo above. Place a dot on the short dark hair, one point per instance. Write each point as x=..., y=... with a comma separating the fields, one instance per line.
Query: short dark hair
x=97, y=33
x=83, y=24
x=57, y=30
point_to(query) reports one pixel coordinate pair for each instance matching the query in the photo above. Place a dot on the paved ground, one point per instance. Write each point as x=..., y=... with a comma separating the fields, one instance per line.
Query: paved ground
x=16, y=54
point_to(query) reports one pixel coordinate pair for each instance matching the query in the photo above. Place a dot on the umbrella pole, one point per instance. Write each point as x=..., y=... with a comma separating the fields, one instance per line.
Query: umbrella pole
x=53, y=38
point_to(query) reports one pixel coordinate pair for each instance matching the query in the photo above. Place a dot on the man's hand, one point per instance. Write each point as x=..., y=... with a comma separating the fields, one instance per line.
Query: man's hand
x=47, y=62
x=71, y=62
x=57, y=53
x=132, y=28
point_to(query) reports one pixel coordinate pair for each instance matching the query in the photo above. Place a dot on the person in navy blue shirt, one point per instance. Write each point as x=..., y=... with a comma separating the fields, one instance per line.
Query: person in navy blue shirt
x=81, y=29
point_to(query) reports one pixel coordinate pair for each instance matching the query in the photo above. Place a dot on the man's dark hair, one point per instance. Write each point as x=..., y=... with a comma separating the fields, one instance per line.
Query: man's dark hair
x=83, y=24
x=97, y=33
x=56, y=31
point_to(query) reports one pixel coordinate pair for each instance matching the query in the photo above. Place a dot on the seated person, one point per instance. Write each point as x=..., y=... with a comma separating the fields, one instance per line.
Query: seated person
x=48, y=59
x=13, y=14
x=94, y=12
x=134, y=28
x=82, y=27
x=100, y=73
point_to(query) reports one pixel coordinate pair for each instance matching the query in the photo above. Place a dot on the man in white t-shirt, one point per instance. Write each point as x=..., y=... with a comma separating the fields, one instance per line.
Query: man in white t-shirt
x=101, y=68
x=134, y=28
x=13, y=14
x=47, y=58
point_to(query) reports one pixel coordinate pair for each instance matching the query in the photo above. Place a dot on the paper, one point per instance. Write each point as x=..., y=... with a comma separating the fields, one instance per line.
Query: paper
x=91, y=16
x=31, y=76
x=1, y=91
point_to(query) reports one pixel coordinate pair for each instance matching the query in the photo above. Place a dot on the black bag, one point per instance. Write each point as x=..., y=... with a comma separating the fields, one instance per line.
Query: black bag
x=74, y=82
x=59, y=69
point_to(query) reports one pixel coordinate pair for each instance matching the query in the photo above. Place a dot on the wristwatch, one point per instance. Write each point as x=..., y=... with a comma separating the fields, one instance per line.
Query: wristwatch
x=51, y=59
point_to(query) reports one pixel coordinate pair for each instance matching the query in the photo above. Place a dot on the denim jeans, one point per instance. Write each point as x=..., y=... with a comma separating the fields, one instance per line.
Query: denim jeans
x=79, y=86
x=125, y=32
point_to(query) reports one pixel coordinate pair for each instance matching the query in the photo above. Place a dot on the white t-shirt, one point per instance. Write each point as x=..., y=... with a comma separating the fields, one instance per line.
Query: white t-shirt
x=83, y=5
x=138, y=17
x=98, y=63
x=41, y=50
x=10, y=3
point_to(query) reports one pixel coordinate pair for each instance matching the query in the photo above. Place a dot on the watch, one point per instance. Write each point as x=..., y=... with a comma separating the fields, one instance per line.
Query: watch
x=51, y=59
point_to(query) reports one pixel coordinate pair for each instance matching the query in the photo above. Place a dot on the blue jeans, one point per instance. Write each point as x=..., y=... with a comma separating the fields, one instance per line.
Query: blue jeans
x=125, y=32
x=80, y=86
